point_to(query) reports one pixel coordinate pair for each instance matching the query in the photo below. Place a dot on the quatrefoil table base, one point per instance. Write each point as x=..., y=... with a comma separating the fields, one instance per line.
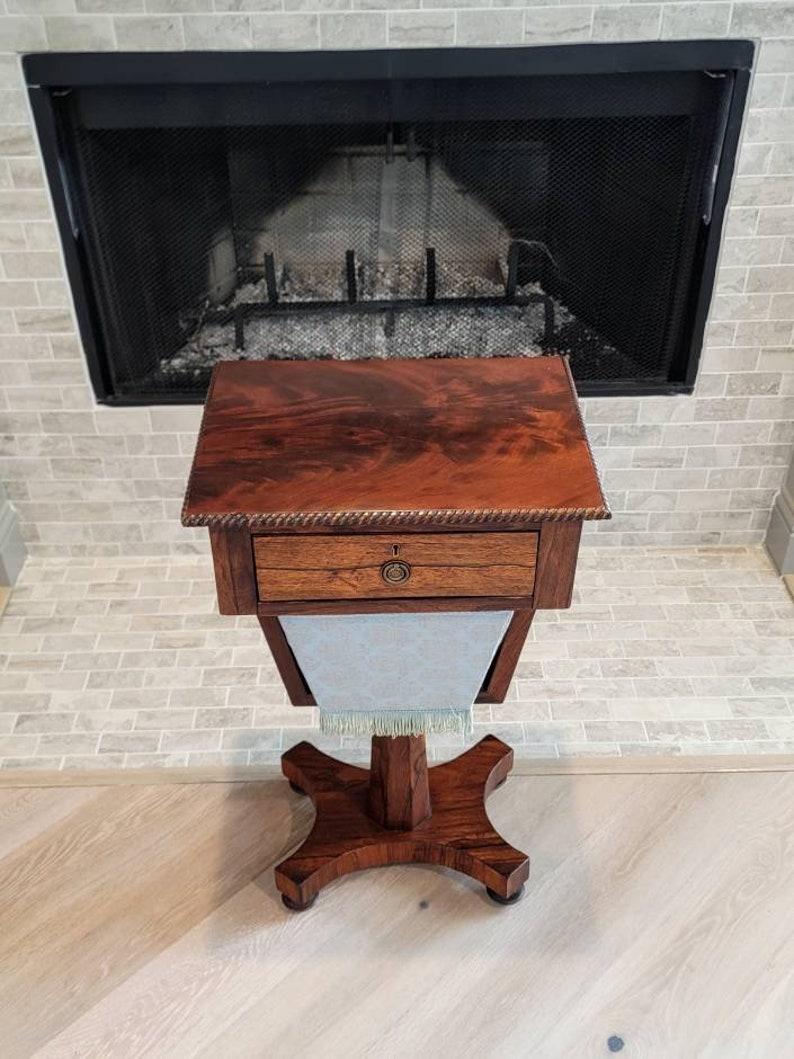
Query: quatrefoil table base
x=351, y=830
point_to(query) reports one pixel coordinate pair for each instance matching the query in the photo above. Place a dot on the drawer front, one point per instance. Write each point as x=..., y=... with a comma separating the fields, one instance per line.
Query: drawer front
x=393, y=567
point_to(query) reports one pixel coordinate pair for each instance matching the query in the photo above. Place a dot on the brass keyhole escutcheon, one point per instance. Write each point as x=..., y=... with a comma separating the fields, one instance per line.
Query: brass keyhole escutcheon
x=395, y=572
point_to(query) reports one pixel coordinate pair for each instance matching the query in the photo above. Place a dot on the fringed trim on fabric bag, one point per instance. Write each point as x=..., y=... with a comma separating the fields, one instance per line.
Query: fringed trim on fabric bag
x=394, y=722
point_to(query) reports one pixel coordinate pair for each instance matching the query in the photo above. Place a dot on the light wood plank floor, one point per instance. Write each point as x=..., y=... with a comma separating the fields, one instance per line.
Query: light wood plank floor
x=143, y=921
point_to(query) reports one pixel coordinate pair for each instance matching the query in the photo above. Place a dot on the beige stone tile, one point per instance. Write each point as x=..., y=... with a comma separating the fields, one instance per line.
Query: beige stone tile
x=226, y=31
x=197, y=697
x=104, y=720
x=737, y=730
x=26, y=763
x=115, y=679
x=195, y=739
x=554, y=732
x=680, y=681
x=266, y=739
x=675, y=731
x=218, y=758
x=170, y=678
x=173, y=7
x=73, y=33
x=759, y=706
x=43, y=722
x=699, y=708
x=589, y=749
x=70, y=743
x=225, y=717
x=587, y=709
x=644, y=708
x=522, y=710
x=23, y=32
x=649, y=750
x=411, y=29
x=545, y=25
x=109, y=7
x=614, y=731
x=495, y=26
x=696, y=20
x=282, y=30
x=23, y=702
x=145, y=761
x=361, y=29
x=128, y=742
x=150, y=33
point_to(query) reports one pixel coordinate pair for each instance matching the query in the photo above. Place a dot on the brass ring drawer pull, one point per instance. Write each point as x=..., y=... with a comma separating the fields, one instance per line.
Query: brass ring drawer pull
x=395, y=572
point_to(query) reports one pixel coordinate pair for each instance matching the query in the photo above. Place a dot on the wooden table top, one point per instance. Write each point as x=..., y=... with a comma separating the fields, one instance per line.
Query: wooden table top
x=377, y=443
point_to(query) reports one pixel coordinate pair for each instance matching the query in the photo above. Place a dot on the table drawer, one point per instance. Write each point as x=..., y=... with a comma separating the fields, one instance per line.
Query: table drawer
x=415, y=565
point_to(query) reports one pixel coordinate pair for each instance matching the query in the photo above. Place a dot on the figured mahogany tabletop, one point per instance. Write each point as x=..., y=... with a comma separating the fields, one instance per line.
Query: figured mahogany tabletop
x=426, y=443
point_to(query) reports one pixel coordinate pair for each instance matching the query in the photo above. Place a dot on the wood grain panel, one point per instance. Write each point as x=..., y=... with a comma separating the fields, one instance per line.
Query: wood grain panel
x=500, y=673
x=558, y=551
x=392, y=606
x=350, y=567
x=290, y=672
x=425, y=443
x=399, y=794
x=233, y=561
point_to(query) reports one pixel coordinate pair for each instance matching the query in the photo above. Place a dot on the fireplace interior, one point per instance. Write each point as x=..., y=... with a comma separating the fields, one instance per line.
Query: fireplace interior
x=484, y=202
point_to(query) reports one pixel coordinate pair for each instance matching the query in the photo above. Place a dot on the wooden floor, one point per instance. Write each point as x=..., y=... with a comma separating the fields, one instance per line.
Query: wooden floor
x=143, y=921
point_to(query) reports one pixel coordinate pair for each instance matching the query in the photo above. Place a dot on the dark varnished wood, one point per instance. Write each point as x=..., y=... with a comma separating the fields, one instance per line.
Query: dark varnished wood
x=345, y=838
x=557, y=554
x=432, y=443
x=399, y=794
x=497, y=680
x=478, y=474
x=288, y=669
x=235, y=577
x=350, y=566
x=394, y=606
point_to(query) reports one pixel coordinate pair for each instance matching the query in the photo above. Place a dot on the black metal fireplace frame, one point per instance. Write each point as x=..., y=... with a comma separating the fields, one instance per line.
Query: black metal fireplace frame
x=48, y=73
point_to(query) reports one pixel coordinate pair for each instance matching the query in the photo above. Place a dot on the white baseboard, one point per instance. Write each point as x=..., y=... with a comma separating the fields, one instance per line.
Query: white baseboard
x=584, y=766
x=12, y=548
x=780, y=533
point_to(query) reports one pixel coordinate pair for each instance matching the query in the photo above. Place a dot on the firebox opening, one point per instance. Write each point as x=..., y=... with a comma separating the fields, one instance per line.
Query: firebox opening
x=406, y=216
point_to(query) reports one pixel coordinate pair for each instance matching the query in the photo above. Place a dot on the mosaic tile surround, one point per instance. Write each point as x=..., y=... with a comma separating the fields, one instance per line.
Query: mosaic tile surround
x=113, y=664
x=111, y=651
x=105, y=482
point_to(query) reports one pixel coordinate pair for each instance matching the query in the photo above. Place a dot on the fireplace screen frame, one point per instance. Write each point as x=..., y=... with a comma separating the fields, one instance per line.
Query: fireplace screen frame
x=50, y=75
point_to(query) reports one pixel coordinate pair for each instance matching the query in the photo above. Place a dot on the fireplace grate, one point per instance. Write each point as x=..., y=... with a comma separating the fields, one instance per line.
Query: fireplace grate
x=385, y=308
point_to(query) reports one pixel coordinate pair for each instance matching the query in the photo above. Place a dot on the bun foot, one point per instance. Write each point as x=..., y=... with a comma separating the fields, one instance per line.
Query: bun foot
x=511, y=900
x=296, y=788
x=295, y=906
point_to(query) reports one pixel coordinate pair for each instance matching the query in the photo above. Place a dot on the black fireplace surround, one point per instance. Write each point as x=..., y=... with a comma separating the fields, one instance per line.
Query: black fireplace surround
x=466, y=202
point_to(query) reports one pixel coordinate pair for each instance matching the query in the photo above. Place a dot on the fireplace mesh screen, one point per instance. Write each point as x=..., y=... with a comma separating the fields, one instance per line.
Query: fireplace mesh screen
x=478, y=217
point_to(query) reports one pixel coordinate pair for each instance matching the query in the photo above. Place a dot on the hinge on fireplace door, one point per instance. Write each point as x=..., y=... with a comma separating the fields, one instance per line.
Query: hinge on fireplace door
x=67, y=197
x=715, y=157
x=63, y=171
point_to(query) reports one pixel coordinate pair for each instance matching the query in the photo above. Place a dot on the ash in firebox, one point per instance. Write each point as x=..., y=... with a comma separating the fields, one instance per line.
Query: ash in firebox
x=437, y=330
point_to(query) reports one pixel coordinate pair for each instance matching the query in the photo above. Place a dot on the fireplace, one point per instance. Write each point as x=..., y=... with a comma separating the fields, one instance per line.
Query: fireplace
x=471, y=202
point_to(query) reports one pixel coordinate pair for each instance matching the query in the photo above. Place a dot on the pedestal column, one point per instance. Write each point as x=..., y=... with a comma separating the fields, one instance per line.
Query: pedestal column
x=399, y=794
